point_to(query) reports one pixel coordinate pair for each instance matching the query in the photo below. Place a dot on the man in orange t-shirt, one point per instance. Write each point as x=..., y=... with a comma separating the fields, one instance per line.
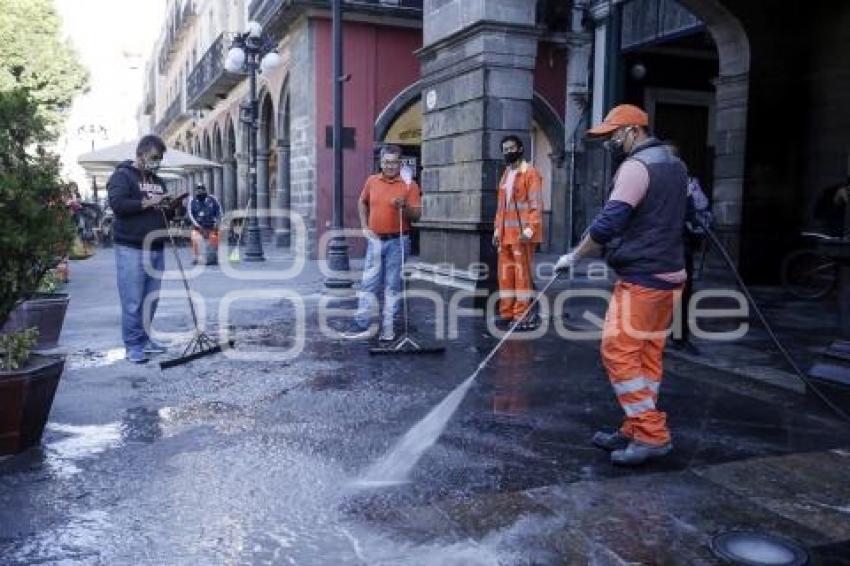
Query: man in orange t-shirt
x=387, y=206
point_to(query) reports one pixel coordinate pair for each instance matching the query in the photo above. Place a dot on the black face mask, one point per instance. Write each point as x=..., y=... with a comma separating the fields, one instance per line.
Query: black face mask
x=512, y=157
x=616, y=149
x=201, y=196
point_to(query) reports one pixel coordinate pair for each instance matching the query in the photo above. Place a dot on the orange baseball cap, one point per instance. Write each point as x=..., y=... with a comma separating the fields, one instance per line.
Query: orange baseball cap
x=619, y=116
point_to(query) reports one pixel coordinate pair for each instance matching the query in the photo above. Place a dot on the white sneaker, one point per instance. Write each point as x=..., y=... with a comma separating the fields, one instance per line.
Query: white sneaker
x=387, y=334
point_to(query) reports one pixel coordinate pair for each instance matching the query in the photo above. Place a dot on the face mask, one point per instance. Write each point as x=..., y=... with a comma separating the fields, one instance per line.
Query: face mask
x=616, y=149
x=153, y=165
x=201, y=196
x=512, y=157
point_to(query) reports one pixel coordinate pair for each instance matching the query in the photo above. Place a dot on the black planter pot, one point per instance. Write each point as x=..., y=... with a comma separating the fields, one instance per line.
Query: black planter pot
x=26, y=396
x=44, y=311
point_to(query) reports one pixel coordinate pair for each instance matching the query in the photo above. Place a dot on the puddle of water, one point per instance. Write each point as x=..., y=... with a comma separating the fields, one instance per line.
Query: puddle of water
x=82, y=441
x=94, y=358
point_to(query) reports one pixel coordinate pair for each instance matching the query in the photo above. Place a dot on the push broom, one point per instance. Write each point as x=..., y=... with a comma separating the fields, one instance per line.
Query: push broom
x=406, y=344
x=201, y=343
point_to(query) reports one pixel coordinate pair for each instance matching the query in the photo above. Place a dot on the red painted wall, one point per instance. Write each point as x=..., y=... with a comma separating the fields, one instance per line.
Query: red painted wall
x=381, y=63
x=550, y=76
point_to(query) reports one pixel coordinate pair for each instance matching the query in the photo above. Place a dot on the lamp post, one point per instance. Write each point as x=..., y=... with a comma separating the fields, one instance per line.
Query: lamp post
x=93, y=131
x=337, y=247
x=252, y=51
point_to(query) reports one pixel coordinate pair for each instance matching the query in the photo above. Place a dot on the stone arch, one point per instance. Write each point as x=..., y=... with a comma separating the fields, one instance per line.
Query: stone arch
x=552, y=128
x=732, y=97
x=402, y=101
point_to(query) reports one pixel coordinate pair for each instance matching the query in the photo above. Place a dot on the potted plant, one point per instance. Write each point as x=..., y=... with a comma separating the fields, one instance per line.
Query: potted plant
x=44, y=309
x=35, y=228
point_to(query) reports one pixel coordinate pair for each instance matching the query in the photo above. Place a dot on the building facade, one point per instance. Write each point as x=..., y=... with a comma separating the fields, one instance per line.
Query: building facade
x=758, y=109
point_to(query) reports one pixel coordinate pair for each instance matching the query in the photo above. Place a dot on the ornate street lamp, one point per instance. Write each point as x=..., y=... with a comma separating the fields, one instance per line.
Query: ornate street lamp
x=252, y=51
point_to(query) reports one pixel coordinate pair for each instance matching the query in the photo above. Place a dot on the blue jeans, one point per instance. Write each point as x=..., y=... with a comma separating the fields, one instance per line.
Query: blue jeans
x=381, y=276
x=134, y=285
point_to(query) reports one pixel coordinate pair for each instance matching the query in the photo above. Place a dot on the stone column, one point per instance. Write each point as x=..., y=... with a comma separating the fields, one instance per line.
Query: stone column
x=729, y=158
x=263, y=202
x=218, y=184
x=229, y=195
x=579, y=51
x=282, y=230
x=243, y=180
x=477, y=67
x=599, y=11
x=208, y=180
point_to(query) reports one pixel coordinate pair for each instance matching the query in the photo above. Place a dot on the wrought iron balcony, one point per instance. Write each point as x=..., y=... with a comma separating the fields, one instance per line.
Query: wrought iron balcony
x=174, y=115
x=178, y=23
x=209, y=81
x=149, y=101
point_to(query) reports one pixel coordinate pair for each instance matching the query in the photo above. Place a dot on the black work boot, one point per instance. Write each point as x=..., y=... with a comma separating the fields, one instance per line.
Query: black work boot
x=637, y=453
x=610, y=441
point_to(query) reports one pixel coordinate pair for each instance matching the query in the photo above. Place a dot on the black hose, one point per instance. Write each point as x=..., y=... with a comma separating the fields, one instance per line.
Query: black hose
x=787, y=355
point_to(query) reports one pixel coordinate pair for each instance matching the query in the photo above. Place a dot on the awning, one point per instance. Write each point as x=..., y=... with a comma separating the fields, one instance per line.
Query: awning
x=177, y=162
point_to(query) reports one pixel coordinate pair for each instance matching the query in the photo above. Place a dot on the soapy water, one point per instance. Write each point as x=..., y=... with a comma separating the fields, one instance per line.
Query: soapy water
x=395, y=467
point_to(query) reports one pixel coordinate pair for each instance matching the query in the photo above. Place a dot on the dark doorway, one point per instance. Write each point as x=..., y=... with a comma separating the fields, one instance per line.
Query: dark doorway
x=687, y=126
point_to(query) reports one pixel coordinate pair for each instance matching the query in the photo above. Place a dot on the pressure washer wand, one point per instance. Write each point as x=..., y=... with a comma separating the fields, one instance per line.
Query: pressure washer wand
x=785, y=353
x=516, y=323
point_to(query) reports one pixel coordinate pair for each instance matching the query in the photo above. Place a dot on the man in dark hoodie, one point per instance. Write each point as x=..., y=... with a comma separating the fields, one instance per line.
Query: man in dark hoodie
x=136, y=195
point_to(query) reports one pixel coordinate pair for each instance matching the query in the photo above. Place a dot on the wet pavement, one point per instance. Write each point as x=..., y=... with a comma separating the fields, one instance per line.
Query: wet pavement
x=251, y=462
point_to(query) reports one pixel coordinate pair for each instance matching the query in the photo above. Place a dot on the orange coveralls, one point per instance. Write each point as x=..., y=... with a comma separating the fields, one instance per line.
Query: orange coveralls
x=516, y=256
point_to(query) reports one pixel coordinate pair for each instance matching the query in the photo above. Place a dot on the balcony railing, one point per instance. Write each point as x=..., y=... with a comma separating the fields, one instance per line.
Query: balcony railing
x=175, y=114
x=149, y=102
x=176, y=26
x=209, y=81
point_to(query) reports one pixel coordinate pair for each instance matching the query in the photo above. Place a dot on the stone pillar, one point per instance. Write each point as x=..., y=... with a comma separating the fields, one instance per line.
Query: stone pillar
x=243, y=180
x=263, y=202
x=208, y=180
x=282, y=224
x=218, y=184
x=229, y=194
x=579, y=51
x=599, y=11
x=477, y=87
x=729, y=159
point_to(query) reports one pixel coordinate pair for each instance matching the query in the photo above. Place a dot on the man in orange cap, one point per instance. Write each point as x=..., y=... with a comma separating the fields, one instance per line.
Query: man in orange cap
x=640, y=230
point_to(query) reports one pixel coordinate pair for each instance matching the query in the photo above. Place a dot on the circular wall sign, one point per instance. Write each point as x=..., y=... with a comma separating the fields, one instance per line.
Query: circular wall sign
x=431, y=99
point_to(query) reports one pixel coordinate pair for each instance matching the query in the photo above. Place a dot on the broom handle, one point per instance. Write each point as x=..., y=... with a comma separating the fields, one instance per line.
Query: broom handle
x=403, y=281
x=180, y=267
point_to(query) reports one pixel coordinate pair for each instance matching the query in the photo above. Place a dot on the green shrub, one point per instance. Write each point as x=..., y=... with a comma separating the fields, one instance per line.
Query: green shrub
x=15, y=348
x=35, y=223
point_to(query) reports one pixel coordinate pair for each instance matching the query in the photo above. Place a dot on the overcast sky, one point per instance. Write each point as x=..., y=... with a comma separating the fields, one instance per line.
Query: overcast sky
x=114, y=39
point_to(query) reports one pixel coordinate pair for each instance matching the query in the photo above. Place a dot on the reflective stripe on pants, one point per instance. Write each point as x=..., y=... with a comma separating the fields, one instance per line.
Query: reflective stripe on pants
x=516, y=288
x=636, y=328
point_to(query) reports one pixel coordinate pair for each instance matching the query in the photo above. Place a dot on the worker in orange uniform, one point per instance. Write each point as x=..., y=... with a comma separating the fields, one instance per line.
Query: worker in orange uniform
x=640, y=230
x=518, y=228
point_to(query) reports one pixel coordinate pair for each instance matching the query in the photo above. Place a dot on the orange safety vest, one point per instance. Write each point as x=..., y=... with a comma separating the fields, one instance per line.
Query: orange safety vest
x=525, y=210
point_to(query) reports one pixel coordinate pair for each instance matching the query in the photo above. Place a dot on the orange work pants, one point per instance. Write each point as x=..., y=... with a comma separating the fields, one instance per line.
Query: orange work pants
x=198, y=237
x=636, y=328
x=516, y=286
